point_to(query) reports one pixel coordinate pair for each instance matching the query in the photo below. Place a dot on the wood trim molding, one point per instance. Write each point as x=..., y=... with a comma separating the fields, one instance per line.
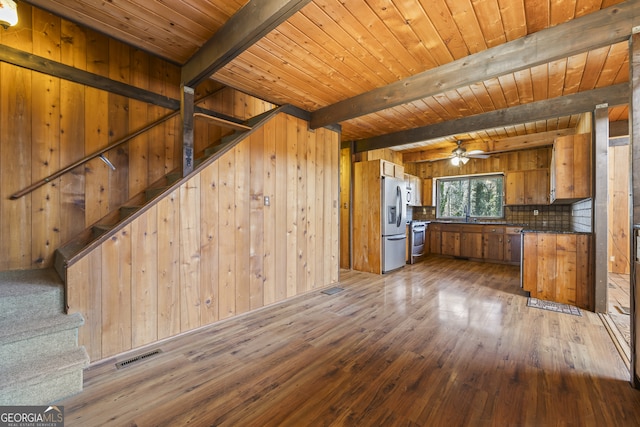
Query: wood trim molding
x=248, y=25
x=540, y=110
x=600, y=159
x=605, y=27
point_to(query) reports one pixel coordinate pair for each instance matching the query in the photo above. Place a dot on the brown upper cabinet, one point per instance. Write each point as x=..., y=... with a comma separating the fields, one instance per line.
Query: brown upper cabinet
x=391, y=169
x=571, y=168
x=527, y=187
x=427, y=192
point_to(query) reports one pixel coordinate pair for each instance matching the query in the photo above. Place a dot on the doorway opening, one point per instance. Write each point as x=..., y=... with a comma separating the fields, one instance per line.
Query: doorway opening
x=618, y=316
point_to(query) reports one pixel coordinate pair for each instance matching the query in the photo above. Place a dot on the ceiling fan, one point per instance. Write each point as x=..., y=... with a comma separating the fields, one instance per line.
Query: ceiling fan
x=460, y=156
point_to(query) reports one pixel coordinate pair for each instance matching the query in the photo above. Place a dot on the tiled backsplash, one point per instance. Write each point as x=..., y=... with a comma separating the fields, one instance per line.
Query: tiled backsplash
x=581, y=213
x=551, y=217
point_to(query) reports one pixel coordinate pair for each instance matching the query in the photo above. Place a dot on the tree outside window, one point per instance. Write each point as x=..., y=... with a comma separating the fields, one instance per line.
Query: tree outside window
x=470, y=197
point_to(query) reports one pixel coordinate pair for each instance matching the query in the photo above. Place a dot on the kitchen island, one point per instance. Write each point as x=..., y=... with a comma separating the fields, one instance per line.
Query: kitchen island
x=558, y=266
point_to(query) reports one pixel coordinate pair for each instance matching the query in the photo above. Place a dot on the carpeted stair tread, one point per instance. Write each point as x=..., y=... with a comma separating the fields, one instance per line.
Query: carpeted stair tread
x=12, y=330
x=42, y=364
x=49, y=377
x=40, y=361
x=29, y=293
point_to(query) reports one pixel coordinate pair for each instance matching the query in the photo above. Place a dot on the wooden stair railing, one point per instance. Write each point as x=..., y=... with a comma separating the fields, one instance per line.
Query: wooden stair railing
x=199, y=113
x=72, y=251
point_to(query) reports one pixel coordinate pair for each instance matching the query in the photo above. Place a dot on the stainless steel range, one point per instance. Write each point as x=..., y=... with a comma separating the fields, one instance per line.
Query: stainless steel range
x=417, y=239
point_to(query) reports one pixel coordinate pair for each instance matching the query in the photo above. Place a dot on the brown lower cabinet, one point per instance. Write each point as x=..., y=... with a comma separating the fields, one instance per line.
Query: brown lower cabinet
x=557, y=267
x=434, y=233
x=512, y=244
x=451, y=242
x=471, y=245
x=493, y=243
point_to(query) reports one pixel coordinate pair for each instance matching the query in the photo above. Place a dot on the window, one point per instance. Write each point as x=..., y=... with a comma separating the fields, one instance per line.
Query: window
x=470, y=196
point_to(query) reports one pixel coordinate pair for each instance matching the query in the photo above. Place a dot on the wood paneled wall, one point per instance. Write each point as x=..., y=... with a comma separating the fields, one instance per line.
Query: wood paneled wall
x=512, y=161
x=618, y=214
x=345, y=207
x=47, y=123
x=213, y=249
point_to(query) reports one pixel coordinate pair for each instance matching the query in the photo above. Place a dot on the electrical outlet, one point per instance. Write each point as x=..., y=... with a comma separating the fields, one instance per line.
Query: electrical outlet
x=267, y=202
x=535, y=212
x=612, y=258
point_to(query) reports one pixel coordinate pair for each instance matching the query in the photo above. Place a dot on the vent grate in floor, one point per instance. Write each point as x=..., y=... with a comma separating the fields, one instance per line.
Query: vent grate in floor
x=138, y=358
x=332, y=291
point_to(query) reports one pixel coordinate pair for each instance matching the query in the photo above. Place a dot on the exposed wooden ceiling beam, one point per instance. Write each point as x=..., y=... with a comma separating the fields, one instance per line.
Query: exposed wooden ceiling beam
x=43, y=65
x=603, y=28
x=256, y=19
x=540, y=110
x=514, y=143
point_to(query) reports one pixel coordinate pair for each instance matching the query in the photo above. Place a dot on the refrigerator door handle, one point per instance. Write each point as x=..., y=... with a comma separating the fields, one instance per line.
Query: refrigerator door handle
x=399, y=202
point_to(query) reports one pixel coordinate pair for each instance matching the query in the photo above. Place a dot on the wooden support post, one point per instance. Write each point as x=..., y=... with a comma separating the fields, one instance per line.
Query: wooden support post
x=600, y=223
x=634, y=140
x=186, y=116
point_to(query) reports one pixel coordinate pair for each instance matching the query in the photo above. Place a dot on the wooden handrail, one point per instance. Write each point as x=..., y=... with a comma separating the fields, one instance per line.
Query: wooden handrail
x=101, y=152
x=85, y=159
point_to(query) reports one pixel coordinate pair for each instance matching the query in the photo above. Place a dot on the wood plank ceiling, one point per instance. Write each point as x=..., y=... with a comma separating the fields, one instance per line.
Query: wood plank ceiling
x=333, y=50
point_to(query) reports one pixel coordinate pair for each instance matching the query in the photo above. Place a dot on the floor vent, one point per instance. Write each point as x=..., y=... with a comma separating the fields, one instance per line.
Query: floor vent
x=332, y=291
x=136, y=359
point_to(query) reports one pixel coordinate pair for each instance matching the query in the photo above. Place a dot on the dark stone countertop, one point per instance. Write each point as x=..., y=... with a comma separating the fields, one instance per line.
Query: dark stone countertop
x=525, y=227
x=554, y=231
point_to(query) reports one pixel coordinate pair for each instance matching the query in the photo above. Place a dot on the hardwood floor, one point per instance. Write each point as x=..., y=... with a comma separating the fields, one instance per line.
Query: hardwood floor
x=442, y=342
x=619, y=303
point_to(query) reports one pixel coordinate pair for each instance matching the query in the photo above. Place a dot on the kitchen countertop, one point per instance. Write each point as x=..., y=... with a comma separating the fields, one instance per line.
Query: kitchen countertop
x=554, y=231
x=525, y=227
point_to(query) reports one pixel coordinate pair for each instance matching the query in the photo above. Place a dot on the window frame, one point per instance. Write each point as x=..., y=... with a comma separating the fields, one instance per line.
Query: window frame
x=469, y=178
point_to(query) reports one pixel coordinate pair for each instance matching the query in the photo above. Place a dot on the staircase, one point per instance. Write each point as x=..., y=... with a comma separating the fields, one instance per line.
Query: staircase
x=40, y=361
x=86, y=240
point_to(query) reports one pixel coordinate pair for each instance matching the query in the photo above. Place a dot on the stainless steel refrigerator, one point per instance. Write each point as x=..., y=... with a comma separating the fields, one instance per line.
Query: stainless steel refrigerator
x=393, y=215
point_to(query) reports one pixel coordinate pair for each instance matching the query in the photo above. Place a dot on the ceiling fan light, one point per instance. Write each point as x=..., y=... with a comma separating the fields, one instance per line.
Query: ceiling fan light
x=464, y=160
x=455, y=161
x=8, y=13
